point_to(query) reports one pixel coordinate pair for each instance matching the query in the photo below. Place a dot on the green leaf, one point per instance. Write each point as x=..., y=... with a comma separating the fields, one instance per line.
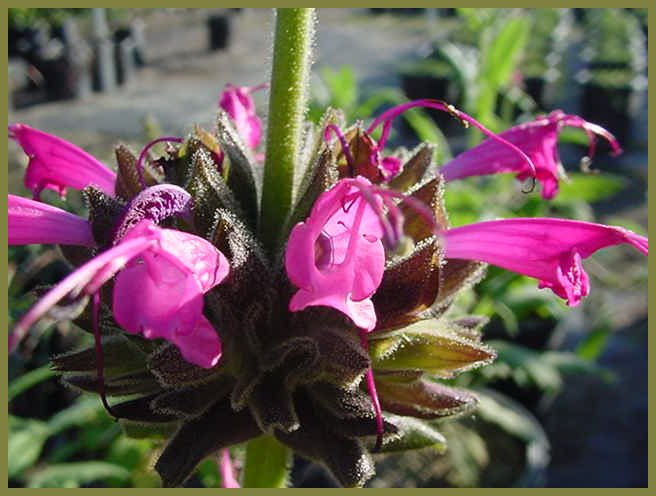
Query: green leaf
x=342, y=86
x=28, y=380
x=588, y=188
x=26, y=440
x=83, y=411
x=500, y=54
x=74, y=474
x=413, y=434
x=267, y=463
x=510, y=416
x=593, y=345
x=529, y=366
x=430, y=346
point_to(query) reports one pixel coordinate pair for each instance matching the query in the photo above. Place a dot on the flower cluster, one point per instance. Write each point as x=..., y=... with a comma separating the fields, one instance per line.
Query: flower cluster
x=337, y=344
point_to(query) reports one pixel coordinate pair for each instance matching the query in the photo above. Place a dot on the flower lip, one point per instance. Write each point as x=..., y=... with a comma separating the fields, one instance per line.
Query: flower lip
x=169, y=270
x=58, y=164
x=336, y=257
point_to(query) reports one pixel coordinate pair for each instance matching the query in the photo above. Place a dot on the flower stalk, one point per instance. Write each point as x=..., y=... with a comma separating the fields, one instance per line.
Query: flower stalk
x=292, y=57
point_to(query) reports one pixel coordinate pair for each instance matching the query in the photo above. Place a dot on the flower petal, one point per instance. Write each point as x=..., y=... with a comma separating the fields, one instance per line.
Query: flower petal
x=33, y=222
x=238, y=103
x=57, y=164
x=538, y=139
x=549, y=250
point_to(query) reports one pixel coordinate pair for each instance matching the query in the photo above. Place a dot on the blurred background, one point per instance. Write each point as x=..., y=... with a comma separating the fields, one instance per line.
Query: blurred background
x=564, y=405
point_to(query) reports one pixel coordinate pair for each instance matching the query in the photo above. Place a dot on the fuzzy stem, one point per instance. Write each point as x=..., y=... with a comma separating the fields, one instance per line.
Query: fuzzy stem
x=292, y=54
x=267, y=463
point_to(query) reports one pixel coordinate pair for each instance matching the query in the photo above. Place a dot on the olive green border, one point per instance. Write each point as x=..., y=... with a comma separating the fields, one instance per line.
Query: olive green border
x=378, y=3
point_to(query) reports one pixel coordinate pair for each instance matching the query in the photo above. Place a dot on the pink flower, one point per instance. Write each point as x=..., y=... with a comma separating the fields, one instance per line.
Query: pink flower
x=549, y=250
x=238, y=103
x=370, y=162
x=33, y=222
x=538, y=139
x=158, y=292
x=336, y=257
x=170, y=280
x=57, y=164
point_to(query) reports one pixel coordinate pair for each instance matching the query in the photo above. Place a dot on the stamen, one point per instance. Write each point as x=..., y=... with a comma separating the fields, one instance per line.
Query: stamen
x=227, y=470
x=253, y=89
x=144, y=151
x=100, y=362
x=386, y=117
x=373, y=394
x=345, y=146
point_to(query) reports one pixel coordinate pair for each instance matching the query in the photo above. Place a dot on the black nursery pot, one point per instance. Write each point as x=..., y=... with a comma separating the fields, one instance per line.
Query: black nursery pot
x=219, y=31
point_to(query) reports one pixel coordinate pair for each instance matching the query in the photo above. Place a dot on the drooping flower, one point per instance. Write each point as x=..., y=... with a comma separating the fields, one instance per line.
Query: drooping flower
x=550, y=250
x=57, y=164
x=538, y=139
x=336, y=257
x=369, y=161
x=30, y=222
x=238, y=103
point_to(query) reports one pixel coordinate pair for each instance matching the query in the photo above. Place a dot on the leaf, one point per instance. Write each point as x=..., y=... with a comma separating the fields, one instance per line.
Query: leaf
x=120, y=356
x=28, y=380
x=209, y=191
x=240, y=177
x=75, y=474
x=593, y=345
x=424, y=399
x=217, y=428
x=588, y=188
x=127, y=179
x=430, y=346
x=26, y=440
x=501, y=51
x=85, y=410
x=267, y=463
x=511, y=417
x=414, y=169
x=408, y=286
x=412, y=434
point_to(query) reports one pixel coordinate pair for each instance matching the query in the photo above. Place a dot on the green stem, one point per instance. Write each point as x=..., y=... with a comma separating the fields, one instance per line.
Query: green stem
x=267, y=463
x=292, y=49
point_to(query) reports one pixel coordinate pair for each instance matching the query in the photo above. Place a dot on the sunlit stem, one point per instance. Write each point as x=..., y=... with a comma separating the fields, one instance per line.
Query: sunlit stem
x=292, y=57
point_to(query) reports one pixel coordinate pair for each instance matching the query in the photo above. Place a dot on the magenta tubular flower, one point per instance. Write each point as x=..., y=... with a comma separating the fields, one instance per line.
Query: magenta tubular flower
x=57, y=164
x=549, y=250
x=538, y=139
x=33, y=222
x=238, y=103
x=170, y=281
x=336, y=257
x=157, y=293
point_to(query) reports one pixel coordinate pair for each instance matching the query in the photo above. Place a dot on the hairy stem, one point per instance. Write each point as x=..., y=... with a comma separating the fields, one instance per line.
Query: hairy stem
x=292, y=49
